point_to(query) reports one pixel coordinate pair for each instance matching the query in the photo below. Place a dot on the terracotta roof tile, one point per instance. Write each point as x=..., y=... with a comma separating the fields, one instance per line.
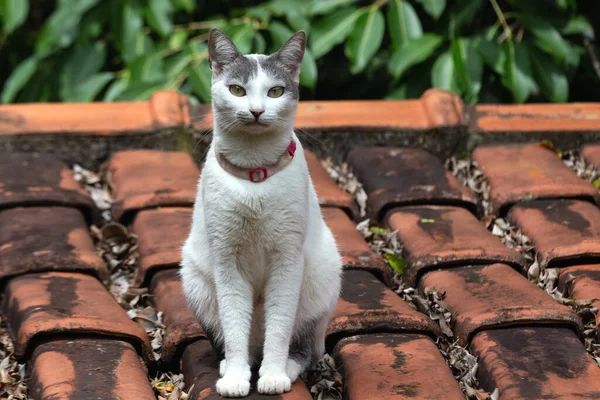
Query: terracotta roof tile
x=582, y=282
x=356, y=253
x=518, y=173
x=200, y=362
x=86, y=369
x=328, y=192
x=401, y=176
x=61, y=303
x=161, y=233
x=523, y=118
x=37, y=239
x=395, y=366
x=592, y=153
x=165, y=109
x=536, y=363
x=368, y=306
x=443, y=236
x=491, y=296
x=563, y=231
x=181, y=325
x=40, y=180
x=147, y=178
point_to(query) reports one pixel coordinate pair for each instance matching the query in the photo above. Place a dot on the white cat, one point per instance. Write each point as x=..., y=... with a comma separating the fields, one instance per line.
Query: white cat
x=260, y=270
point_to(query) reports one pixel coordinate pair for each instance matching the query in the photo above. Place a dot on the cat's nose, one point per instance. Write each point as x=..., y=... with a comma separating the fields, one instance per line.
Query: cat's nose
x=257, y=113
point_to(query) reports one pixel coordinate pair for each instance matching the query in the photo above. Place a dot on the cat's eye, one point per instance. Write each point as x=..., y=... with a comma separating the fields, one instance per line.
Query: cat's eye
x=237, y=90
x=275, y=92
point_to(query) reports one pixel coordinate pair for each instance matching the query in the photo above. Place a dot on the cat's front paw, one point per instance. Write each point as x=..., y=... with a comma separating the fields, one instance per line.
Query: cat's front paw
x=274, y=383
x=233, y=385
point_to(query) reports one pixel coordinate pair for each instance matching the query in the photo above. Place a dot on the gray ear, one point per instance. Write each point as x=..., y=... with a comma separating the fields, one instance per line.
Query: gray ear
x=292, y=52
x=221, y=51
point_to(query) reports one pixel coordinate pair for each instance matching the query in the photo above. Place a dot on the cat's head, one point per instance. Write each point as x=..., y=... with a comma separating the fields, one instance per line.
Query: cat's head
x=254, y=93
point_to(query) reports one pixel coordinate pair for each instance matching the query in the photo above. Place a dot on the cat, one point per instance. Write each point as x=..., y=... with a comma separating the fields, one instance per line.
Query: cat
x=260, y=269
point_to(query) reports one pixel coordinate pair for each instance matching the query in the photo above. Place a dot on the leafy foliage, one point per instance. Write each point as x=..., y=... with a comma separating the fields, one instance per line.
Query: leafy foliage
x=484, y=50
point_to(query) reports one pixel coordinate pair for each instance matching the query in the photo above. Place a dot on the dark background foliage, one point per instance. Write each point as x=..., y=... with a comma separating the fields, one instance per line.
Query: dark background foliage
x=503, y=51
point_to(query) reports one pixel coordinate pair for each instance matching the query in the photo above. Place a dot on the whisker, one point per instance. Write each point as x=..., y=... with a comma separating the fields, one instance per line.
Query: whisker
x=308, y=136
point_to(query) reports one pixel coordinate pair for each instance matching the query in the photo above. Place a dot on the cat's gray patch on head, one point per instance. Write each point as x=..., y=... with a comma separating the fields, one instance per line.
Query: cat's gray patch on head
x=273, y=68
x=242, y=69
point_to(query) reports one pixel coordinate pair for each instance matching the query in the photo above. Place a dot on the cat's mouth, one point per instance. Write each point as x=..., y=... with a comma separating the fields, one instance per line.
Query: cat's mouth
x=256, y=123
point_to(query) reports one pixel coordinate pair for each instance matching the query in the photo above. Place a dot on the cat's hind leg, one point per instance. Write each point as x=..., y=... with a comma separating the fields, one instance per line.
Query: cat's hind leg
x=307, y=347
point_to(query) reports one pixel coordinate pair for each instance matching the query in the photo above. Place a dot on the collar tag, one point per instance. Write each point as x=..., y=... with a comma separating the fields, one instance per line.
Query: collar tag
x=258, y=174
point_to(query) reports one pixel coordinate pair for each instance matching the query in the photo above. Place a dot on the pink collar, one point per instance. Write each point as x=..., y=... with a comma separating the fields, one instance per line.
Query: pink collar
x=259, y=174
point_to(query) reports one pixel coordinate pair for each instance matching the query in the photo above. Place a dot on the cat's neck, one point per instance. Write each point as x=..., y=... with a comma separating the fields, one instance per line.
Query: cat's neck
x=251, y=151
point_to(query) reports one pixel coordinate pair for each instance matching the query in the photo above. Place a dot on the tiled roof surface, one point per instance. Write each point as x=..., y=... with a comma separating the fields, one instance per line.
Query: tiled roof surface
x=77, y=340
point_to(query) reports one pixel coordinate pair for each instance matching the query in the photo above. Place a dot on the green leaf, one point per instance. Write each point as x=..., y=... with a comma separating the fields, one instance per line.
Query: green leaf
x=377, y=230
x=13, y=13
x=116, y=88
x=37, y=89
x=365, y=39
x=397, y=94
x=176, y=64
x=200, y=79
x=259, y=12
x=260, y=44
x=186, y=5
x=19, y=78
x=414, y=52
x=242, y=36
x=281, y=7
x=177, y=40
x=158, y=14
x=297, y=20
x=492, y=54
x=93, y=23
x=333, y=30
x=547, y=37
x=83, y=62
x=140, y=91
x=61, y=29
x=517, y=76
x=147, y=68
x=427, y=221
x=462, y=13
x=403, y=23
x=443, y=74
x=563, y=4
x=552, y=81
x=130, y=23
x=317, y=7
x=397, y=263
x=279, y=34
x=87, y=90
x=308, y=70
x=435, y=8
x=578, y=24
x=596, y=183
x=469, y=68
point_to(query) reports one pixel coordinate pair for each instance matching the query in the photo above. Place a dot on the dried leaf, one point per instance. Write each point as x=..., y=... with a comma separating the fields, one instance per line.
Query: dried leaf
x=550, y=146
x=12, y=374
x=346, y=180
x=585, y=170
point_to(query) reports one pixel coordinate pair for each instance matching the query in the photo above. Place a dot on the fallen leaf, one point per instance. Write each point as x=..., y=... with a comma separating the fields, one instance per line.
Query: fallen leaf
x=550, y=146
x=397, y=263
